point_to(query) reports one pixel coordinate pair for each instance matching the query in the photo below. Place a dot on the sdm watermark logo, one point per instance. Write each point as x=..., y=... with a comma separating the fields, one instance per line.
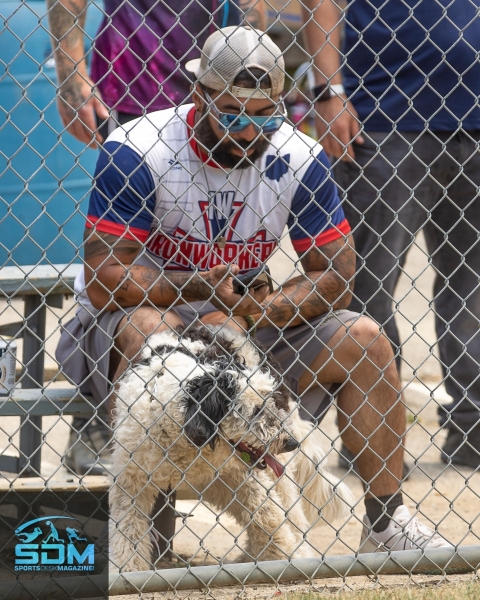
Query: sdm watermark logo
x=41, y=547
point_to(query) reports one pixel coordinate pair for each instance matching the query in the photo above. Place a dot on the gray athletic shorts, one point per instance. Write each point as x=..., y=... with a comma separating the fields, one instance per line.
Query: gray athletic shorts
x=84, y=348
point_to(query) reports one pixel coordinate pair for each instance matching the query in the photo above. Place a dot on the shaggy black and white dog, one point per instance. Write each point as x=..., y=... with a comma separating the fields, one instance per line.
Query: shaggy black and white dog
x=208, y=409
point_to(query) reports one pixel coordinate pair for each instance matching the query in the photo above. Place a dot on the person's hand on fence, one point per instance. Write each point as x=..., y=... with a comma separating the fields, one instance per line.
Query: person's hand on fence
x=220, y=279
x=338, y=127
x=79, y=104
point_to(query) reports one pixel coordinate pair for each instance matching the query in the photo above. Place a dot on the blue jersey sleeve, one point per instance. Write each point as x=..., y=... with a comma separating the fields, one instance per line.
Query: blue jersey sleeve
x=317, y=217
x=123, y=198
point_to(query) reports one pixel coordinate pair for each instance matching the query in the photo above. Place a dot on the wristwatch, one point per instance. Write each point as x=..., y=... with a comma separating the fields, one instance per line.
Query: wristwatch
x=325, y=91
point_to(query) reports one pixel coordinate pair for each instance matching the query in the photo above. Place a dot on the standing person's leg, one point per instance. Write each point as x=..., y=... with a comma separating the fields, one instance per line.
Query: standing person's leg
x=454, y=245
x=384, y=217
x=383, y=188
x=115, y=120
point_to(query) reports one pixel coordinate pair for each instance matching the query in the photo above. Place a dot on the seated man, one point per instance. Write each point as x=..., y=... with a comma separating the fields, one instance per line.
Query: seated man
x=184, y=200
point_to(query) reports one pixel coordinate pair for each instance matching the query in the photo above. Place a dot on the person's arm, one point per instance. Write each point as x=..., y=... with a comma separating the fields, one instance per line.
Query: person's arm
x=326, y=284
x=255, y=13
x=337, y=120
x=78, y=101
x=113, y=281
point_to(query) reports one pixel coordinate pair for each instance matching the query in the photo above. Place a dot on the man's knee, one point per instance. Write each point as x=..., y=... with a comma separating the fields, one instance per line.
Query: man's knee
x=371, y=342
x=147, y=320
x=132, y=331
x=141, y=323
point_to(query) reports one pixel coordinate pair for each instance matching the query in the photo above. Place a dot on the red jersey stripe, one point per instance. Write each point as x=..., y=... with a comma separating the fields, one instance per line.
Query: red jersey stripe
x=330, y=235
x=120, y=230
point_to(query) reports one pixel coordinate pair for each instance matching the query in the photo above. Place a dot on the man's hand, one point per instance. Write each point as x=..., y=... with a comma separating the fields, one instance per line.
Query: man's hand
x=254, y=13
x=220, y=280
x=79, y=105
x=338, y=128
x=337, y=121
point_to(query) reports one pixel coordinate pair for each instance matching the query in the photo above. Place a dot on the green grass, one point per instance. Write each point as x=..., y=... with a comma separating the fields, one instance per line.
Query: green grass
x=462, y=591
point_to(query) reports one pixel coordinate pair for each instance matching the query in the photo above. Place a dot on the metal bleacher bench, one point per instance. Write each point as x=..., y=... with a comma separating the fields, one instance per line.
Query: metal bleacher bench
x=39, y=287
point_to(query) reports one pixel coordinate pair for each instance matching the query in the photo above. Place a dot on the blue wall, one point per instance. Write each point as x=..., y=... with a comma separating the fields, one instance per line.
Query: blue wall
x=45, y=175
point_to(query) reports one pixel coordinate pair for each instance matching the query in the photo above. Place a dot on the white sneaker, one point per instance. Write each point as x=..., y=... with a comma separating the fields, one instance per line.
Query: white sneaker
x=404, y=532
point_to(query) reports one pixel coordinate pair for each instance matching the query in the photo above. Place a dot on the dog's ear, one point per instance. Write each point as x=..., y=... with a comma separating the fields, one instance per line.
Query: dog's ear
x=208, y=400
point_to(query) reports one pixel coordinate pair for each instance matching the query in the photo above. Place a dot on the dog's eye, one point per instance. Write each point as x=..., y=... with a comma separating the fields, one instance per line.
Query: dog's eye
x=256, y=412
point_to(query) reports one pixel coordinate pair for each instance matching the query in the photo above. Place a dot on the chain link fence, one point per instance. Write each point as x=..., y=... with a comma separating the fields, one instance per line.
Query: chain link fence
x=213, y=460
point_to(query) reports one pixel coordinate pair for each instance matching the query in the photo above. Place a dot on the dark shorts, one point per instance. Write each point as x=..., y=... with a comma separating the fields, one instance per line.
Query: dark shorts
x=84, y=348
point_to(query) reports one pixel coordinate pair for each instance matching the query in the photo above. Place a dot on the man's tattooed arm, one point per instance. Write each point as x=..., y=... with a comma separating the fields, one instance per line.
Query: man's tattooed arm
x=67, y=23
x=254, y=13
x=327, y=283
x=113, y=281
x=78, y=101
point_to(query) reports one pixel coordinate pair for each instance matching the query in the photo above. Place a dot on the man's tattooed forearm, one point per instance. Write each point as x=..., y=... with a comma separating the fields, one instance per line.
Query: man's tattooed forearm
x=123, y=283
x=67, y=21
x=191, y=286
x=160, y=282
x=67, y=24
x=300, y=298
x=70, y=90
x=149, y=276
x=327, y=283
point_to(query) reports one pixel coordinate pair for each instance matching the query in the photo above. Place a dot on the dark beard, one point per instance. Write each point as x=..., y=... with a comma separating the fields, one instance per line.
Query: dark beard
x=220, y=152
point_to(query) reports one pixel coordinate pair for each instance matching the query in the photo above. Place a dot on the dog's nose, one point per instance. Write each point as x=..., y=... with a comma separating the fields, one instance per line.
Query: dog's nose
x=290, y=445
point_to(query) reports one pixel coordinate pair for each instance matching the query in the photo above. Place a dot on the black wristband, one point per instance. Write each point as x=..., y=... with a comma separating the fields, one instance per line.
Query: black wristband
x=321, y=92
x=325, y=91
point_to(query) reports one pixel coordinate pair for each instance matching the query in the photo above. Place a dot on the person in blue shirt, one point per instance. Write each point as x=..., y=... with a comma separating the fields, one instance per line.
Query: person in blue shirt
x=398, y=107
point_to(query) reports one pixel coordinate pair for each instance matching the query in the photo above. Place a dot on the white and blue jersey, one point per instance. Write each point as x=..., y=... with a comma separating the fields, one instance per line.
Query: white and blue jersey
x=153, y=185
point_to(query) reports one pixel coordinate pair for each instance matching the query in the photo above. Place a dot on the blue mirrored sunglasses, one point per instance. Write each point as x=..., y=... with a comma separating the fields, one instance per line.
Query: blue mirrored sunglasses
x=235, y=123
